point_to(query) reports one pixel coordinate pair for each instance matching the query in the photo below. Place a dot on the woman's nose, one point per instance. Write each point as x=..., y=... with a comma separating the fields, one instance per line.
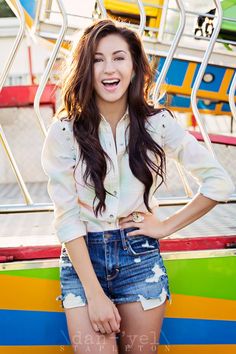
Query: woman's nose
x=109, y=67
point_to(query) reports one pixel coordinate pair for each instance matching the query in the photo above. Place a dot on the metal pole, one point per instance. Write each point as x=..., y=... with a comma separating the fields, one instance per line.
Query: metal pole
x=200, y=76
x=171, y=52
x=14, y=166
x=142, y=17
x=232, y=97
x=49, y=66
x=19, y=12
x=102, y=8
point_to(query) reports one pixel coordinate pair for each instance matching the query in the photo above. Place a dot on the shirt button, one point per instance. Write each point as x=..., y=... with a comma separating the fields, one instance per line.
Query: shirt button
x=111, y=216
x=115, y=192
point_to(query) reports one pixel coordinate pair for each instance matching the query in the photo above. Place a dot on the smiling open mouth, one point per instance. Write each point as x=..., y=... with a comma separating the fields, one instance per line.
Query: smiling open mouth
x=110, y=83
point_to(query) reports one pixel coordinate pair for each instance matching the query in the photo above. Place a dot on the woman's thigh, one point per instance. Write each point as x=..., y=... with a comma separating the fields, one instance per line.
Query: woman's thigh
x=139, y=329
x=83, y=337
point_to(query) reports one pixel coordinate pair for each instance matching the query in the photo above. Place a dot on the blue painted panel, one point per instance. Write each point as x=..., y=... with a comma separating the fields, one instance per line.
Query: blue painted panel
x=29, y=6
x=225, y=107
x=218, y=73
x=49, y=328
x=185, y=102
x=176, y=72
x=33, y=328
x=194, y=331
x=201, y=105
x=231, y=83
x=180, y=101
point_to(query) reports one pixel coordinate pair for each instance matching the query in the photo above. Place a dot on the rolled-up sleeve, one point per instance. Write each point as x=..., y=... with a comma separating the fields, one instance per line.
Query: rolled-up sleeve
x=213, y=180
x=58, y=162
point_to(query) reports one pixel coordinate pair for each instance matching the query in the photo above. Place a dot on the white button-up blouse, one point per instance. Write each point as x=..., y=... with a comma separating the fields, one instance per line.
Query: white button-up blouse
x=73, y=199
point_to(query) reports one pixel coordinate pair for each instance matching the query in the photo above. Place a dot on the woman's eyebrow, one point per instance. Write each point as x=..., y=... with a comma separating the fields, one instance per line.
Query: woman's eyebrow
x=117, y=51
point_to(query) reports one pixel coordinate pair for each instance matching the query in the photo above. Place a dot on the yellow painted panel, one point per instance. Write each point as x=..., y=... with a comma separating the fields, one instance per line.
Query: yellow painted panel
x=51, y=349
x=184, y=306
x=189, y=76
x=132, y=8
x=197, y=349
x=163, y=349
x=205, y=111
x=201, y=93
x=226, y=81
x=40, y=295
x=24, y=293
x=28, y=19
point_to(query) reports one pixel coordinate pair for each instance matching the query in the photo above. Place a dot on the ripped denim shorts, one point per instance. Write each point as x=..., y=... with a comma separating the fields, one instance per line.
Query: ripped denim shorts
x=129, y=268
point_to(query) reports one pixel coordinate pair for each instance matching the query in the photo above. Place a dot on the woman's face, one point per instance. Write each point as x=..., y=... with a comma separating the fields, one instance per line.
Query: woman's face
x=113, y=68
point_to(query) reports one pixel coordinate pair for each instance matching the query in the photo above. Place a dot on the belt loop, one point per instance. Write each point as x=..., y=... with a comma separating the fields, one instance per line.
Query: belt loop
x=123, y=240
x=103, y=236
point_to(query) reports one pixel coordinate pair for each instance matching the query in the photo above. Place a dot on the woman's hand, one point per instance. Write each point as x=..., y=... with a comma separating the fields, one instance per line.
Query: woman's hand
x=150, y=226
x=103, y=314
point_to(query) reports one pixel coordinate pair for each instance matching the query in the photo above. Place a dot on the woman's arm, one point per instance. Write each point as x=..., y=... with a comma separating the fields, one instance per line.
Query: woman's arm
x=58, y=161
x=199, y=206
x=80, y=258
x=103, y=313
x=153, y=227
x=215, y=184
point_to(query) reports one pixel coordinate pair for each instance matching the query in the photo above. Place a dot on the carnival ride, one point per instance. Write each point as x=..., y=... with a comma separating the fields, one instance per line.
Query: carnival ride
x=202, y=270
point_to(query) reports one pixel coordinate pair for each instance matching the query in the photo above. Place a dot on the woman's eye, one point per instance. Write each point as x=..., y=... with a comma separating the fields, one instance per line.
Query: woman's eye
x=120, y=58
x=97, y=60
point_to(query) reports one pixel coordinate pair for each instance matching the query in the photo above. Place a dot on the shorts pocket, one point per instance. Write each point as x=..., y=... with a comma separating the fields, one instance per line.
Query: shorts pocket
x=141, y=245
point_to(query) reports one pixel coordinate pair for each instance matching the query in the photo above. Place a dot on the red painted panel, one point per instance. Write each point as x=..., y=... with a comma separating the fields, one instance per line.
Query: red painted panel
x=23, y=96
x=216, y=139
x=8, y=254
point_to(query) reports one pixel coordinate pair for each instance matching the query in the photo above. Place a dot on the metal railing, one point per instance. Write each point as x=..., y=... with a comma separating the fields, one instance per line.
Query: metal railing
x=49, y=66
x=45, y=207
x=19, y=12
x=200, y=75
x=232, y=97
x=170, y=55
x=161, y=78
x=142, y=17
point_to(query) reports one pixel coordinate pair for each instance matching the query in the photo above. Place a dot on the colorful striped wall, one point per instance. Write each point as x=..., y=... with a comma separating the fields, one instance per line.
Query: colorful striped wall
x=201, y=318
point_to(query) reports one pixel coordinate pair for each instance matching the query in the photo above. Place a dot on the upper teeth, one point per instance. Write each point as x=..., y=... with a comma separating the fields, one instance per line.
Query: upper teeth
x=110, y=81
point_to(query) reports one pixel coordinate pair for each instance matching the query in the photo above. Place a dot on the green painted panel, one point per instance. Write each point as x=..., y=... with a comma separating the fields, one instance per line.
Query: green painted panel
x=207, y=277
x=41, y=273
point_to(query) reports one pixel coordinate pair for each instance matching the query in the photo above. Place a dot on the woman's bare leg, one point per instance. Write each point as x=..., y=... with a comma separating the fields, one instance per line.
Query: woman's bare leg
x=139, y=329
x=83, y=338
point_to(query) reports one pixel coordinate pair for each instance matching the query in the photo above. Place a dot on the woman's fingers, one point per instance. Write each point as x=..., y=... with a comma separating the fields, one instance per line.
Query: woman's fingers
x=117, y=317
x=136, y=232
x=107, y=327
x=115, y=326
x=98, y=327
x=128, y=220
x=125, y=220
x=128, y=224
x=102, y=315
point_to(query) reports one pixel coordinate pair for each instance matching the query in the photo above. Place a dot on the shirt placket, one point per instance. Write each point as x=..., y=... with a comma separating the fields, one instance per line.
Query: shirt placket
x=113, y=175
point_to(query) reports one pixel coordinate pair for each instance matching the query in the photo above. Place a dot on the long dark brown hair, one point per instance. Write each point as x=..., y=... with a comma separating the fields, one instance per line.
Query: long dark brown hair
x=78, y=102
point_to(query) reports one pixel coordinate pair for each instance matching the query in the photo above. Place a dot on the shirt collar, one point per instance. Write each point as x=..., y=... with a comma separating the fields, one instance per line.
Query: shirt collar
x=124, y=117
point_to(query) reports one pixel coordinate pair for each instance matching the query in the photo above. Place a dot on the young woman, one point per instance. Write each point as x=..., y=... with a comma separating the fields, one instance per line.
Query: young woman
x=105, y=158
